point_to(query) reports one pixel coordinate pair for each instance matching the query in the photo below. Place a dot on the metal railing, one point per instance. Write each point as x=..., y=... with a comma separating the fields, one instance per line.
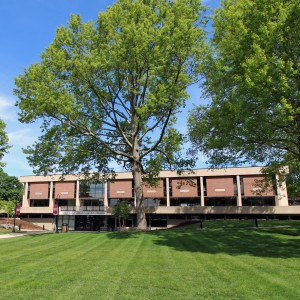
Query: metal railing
x=82, y=208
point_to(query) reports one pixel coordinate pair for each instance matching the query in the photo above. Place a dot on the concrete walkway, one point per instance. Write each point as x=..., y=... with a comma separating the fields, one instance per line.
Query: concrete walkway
x=18, y=234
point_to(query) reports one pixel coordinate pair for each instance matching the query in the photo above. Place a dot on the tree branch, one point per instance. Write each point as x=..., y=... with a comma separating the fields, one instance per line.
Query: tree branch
x=161, y=136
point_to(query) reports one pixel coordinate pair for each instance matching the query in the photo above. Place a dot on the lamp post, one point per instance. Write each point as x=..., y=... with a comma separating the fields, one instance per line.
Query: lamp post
x=55, y=213
x=14, y=226
x=16, y=213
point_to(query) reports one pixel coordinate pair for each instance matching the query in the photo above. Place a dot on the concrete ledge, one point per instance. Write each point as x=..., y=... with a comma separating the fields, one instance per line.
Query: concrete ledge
x=277, y=210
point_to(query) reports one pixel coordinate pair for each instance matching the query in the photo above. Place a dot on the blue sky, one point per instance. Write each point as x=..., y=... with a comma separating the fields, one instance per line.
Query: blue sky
x=27, y=28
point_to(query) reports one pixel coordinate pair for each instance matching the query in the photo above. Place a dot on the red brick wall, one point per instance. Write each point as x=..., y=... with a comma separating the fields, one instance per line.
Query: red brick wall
x=39, y=190
x=184, y=188
x=219, y=186
x=154, y=191
x=121, y=189
x=65, y=190
x=254, y=186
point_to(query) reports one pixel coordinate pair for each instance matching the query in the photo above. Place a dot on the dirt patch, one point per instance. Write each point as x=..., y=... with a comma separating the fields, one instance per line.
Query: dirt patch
x=25, y=225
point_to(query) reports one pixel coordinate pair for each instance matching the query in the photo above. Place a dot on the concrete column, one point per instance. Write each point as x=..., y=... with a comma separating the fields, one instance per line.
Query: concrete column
x=77, y=192
x=25, y=202
x=105, y=195
x=239, y=196
x=282, y=196
x=201, y=191
x=51, y=200
x=168, y=191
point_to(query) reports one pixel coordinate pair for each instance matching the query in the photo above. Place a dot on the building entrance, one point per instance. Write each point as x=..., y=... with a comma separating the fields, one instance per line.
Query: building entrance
x=90, y=223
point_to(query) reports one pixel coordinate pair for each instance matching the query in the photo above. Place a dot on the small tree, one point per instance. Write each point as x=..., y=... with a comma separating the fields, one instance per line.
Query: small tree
x=121, y=210
x=8, y=207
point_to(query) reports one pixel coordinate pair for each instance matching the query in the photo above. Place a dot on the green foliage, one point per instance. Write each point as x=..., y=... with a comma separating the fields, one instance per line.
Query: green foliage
x=10, y=187
x=110, y=90
x=8, y=207
x=253, y=80
x=3, y=141
x=11, y=191
x=122, y=210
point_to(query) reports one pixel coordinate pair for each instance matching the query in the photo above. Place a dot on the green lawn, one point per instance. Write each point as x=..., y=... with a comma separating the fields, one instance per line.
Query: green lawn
x=225, y=260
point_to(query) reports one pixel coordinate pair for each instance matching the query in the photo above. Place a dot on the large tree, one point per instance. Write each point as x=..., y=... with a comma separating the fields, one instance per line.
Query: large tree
x=110, y=90
x=10, y=188
x=253, y=80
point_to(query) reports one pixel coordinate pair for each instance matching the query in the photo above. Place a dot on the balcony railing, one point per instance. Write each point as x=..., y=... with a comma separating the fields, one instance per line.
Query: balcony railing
x=82, y=208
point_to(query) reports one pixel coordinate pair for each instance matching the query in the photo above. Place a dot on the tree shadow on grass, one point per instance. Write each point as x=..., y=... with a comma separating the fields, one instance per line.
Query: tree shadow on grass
x=276, y=242
x=122, y=235
x=256, y=242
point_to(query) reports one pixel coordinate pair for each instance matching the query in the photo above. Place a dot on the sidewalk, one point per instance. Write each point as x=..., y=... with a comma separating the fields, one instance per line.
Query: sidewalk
x=18, y=234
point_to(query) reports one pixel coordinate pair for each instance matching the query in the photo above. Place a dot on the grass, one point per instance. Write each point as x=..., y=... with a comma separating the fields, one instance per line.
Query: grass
x=225, y=260
x=4, y=230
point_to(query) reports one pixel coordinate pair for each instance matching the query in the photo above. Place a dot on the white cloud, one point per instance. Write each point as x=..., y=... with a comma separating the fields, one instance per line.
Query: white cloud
x=16, y=165
x=22, y=137
x=8, y=110
x=4, y=102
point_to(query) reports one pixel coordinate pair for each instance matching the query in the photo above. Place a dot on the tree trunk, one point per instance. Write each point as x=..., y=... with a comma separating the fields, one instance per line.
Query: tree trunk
x=138, y=189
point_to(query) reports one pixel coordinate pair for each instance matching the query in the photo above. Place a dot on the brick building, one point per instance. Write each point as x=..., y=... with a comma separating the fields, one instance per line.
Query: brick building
x=203, y=193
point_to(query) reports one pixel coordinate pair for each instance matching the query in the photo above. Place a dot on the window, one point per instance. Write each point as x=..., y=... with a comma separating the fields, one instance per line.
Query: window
x=91, y=202
x=112, y=202
x=258, y=201
x=67, y=202
x=221, y=201
x=39, y=203
x=184, y=201
x=91, y=190
x=151, y=202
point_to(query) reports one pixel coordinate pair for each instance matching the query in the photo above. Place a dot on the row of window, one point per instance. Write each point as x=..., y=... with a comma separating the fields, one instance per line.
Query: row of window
x=86, y=190
x=217, y=201
x=154, y=202
x=96, y=190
